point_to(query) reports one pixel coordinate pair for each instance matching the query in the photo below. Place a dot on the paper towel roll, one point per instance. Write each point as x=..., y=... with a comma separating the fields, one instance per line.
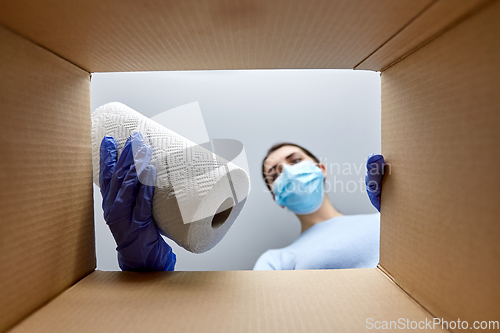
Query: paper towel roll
x=198, y=194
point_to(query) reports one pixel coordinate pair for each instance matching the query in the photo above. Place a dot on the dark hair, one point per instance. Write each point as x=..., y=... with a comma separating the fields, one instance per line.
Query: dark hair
x=278, y=146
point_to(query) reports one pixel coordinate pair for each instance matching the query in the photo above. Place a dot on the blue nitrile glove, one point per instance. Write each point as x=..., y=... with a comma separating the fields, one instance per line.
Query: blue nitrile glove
x=373, y=179
x=126, y=202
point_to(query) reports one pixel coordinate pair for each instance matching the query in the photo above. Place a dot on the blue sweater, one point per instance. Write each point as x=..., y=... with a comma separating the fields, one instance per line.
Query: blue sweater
x=349, y=241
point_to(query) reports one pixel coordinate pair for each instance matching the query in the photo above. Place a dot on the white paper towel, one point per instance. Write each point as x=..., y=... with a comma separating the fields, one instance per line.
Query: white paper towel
x=198, y=194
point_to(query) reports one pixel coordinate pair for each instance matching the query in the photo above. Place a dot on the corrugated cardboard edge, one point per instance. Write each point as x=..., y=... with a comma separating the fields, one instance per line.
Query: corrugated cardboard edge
x=46, y=201
x=35, y=43
x=389, y=277
x=448, y=262
x=362, y=64
x=227, y=301
x=118, y=36
x=381, y=59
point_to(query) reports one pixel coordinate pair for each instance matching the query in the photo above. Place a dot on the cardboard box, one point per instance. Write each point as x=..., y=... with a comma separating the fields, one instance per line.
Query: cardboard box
x=440, y=236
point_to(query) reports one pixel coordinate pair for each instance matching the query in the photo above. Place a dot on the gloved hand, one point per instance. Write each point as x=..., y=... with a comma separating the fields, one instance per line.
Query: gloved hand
x=373, y=179
x=126, y=201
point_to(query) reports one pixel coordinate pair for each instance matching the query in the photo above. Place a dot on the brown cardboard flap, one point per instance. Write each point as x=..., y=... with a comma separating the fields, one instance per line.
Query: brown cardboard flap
x=232, y=301
x=130, y=35
x=439, y=15
x=46, y=208
x=440, y=227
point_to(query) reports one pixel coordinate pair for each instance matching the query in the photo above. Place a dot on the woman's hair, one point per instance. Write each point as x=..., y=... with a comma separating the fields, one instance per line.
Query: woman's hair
x=278, y=146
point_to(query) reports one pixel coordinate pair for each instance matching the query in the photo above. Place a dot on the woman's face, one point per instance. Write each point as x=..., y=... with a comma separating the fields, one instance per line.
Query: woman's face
x=290, y=155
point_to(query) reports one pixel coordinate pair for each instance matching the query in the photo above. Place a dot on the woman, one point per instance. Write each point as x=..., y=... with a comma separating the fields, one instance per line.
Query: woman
x=328, y=239
x=127, y=192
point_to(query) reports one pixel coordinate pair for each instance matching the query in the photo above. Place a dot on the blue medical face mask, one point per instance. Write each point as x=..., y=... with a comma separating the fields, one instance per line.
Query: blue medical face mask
x=299, y=187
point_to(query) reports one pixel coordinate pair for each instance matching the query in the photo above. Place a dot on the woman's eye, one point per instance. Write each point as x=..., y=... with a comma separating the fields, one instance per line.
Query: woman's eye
x=297, y=160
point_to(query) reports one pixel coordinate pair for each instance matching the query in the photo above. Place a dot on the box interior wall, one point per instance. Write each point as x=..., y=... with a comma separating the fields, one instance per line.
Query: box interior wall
x=440, y=133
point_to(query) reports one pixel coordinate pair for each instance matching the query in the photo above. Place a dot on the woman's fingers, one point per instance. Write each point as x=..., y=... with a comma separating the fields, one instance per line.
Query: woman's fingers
x=121, y=169
x=108, y=152
x=374, y=172
x=143, y=204
x=373, y=179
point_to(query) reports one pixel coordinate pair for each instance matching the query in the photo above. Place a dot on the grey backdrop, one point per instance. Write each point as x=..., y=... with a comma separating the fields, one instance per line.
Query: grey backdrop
x=333, y=113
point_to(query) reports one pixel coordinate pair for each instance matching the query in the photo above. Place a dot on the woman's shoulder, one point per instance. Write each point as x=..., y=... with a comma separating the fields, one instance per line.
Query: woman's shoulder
x=267, y=261
x=275, y=259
